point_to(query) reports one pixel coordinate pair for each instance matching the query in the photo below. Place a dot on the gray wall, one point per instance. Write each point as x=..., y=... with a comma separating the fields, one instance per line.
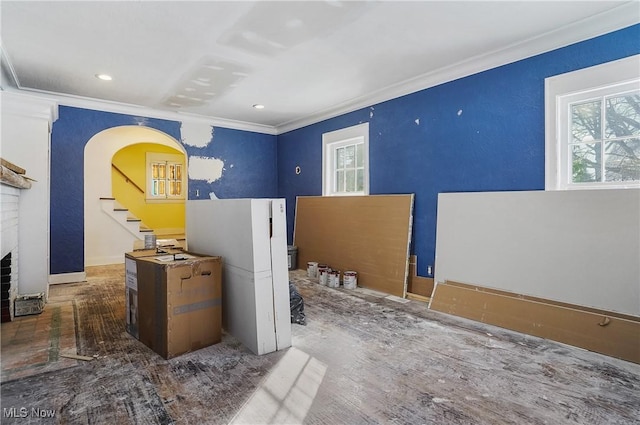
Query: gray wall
x=580, y=247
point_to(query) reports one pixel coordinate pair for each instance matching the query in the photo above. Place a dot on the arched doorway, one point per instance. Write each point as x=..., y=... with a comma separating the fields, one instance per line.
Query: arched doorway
x=105, y=242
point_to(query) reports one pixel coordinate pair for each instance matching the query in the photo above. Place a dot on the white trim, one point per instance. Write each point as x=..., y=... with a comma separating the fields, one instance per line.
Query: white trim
x=29, y=106
x=135, y=110
x=165, y=200
x=105, y=241
x=344, y=135
x=612, y=20
x=55, y=279
x=179, y=159
x=586, y=80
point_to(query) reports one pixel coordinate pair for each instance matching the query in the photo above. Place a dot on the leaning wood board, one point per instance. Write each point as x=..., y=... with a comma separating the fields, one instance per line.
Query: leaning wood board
x=605, y=332
x=367, y=234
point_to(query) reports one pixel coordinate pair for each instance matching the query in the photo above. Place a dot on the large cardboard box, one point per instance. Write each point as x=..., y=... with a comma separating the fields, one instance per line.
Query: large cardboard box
x=131, y=284
x=131, y=288
x=174, y=300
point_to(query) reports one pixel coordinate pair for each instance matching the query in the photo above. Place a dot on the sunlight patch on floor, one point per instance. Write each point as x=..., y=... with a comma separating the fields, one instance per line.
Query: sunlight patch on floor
x=287, y=393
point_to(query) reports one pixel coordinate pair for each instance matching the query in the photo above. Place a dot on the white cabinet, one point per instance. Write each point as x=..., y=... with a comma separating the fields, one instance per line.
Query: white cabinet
x=250, y=236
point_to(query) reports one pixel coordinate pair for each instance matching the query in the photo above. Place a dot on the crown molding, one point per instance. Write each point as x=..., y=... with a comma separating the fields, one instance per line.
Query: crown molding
x=615, y=19
x=129, y=109
x=620, y=17
x=16, y=103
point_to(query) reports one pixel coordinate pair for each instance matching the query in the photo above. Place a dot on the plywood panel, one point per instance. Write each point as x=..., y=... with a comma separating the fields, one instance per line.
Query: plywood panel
x=600, y=331
x=367, y=234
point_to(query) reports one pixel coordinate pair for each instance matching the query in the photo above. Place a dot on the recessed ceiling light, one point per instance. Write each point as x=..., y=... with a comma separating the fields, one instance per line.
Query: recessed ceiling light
x=258, y=106
x=104, y=77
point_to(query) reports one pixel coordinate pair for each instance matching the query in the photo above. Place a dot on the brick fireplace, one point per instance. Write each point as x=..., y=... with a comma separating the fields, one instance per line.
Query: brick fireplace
x=12, y=184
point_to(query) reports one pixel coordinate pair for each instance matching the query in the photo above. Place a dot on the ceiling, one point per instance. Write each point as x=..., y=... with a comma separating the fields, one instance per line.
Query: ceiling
x=303, y=60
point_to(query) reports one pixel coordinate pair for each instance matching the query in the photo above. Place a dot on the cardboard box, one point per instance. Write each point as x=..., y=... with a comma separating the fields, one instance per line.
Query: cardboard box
x=173, y=300
x=131, y=287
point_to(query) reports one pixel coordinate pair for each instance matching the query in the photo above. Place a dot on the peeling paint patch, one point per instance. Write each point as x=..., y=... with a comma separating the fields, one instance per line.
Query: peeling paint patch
x=371, y=112
x=459, y=112
x=201, y=168
x=417, y=121
x=142, y=121
x=212, y=195
x=196, y=134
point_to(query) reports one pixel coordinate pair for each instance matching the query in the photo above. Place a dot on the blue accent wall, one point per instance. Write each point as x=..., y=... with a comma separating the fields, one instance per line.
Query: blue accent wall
x=484, y=132
x=254, y=173
x=250, y=165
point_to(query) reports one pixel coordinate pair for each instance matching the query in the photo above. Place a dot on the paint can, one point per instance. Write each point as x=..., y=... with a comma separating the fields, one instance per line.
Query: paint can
x=150, y=241
x=292, y=252
x=350, y=280
x=312, y=269
x=324, y=275
x=321, y=266
x=334, y=279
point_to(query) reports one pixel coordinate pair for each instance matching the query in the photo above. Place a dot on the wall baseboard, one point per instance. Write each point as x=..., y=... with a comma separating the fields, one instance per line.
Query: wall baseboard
x=605, y=332
x=55, y=279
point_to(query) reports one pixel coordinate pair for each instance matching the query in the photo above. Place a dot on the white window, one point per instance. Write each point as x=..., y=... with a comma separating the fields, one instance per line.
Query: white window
x=593, y=127
x=345, y=159
x=165, y=177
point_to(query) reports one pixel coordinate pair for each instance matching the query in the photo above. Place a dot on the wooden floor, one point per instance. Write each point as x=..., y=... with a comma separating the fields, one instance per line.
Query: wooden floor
x=362, y=359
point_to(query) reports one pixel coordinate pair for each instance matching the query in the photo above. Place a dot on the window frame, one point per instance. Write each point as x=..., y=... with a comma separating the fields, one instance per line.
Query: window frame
x=168, y=158
x=333, y=140
x=573, y=87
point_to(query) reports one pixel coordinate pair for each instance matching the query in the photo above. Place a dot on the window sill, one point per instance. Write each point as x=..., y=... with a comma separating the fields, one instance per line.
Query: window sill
x=164, y=201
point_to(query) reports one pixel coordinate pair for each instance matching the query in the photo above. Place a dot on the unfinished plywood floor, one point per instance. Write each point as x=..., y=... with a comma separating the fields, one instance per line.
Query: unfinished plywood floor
x=362, y=359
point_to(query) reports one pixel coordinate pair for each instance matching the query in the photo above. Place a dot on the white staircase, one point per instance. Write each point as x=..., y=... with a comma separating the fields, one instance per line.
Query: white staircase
x=124, y=218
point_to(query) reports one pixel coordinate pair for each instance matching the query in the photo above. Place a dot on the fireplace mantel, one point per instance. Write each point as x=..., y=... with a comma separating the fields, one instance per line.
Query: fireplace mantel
x=12, y=175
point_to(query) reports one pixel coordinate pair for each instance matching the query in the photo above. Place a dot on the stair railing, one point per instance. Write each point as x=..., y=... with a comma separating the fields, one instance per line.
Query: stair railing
x=127, y=179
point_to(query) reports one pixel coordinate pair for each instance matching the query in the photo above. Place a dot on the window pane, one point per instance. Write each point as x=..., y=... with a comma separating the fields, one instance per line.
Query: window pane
x=360, y=180
x=154, y=172
x=350, y=178
x=586, y=122
x=161, y=187
x=178, y=171
x=622, y=116
x=178, y=188
x=172, y=171
x=586, y=160
x=161, y=171
x=349, y=156
x=340, y=158
x=622, y=160
x=360, y=155
x=340, y=181
x=154, y=190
